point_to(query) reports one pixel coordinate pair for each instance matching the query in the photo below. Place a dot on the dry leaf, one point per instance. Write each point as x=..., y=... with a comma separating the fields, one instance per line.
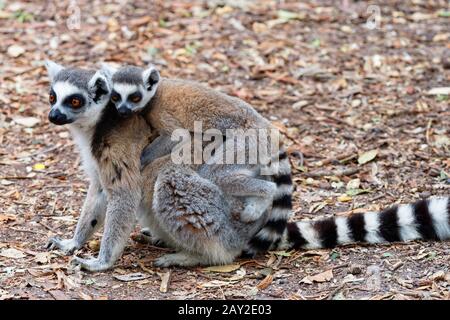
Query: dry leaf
x=438, y=276
x=344, y=198
x=84, y=296
x=216, y=283
x=225, y=269
x=439, y=91
x=4, y=218
x=43, y=257
x=265, y=282
x=39, y=167
x=321, y=277
x=367, y=156
x=58, y=295
x=131, y=277
x=12, y=253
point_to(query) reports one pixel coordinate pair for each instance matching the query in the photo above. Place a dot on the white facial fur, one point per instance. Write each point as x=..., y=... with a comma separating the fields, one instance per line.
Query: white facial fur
x=125, y=89
x=63, y=90
x=89, y=116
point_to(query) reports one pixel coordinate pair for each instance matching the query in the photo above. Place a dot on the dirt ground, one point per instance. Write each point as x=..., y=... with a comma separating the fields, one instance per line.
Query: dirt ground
x=353, y=91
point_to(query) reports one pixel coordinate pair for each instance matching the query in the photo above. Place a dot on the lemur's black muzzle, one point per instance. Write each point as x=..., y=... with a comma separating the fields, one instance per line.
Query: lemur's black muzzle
x=124, y=111
x=55, y=116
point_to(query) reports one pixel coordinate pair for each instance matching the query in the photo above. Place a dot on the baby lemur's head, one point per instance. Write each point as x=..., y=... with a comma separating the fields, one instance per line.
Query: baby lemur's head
x=132, y=87
x=76, y=95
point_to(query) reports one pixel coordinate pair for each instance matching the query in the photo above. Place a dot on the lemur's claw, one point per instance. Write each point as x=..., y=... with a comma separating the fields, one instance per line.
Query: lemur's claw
x=67, y=246
x=145, y=237
x=92, y=264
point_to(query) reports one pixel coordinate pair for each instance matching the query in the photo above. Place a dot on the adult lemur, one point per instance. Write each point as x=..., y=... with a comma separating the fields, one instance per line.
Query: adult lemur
x=196, y=212
x=190, y=212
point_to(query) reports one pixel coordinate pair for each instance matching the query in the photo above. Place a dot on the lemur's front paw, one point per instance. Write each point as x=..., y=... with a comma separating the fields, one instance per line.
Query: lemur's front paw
x=93, y=265
x=67, y=246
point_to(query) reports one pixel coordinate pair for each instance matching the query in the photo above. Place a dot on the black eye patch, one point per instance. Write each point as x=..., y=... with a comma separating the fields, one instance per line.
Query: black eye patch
x=135, y=97
x=52, y=96
x=115, y=97
x=69, y=101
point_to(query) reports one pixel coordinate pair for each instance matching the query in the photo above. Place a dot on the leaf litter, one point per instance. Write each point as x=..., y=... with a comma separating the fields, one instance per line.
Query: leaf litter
x=372, y=128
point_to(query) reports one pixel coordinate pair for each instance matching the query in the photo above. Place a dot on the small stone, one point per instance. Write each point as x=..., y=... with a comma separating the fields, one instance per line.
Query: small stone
x=410, y=90
x=94, y=245
x=28, y=122
x=300, y=104
x=356, y=103
x=434, y=172
x=355, y=269
x=438, y=276
x=14, y=51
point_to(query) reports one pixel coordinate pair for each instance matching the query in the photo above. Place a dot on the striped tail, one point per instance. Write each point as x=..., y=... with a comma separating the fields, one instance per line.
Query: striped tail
x=272, y=232
x=425, y=219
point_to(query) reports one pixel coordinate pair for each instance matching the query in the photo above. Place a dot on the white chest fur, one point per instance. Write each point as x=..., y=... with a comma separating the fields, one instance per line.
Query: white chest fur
x=83, y=140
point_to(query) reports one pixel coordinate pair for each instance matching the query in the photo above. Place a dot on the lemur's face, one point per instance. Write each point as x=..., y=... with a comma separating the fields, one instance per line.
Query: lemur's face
x=76, y=95
x=132, y=88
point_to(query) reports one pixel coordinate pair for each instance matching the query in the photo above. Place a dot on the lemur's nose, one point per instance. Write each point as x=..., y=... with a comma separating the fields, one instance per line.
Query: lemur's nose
x=55, y=116
x=124, y=111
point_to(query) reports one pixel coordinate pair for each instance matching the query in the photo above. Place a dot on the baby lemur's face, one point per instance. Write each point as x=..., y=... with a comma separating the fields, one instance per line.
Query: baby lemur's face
x=76, y=95
x=132, y=88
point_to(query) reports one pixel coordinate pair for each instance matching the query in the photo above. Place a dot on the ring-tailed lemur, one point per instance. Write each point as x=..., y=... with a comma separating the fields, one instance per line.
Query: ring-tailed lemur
x=80, y=99
x=190, y=212
x=175, y=104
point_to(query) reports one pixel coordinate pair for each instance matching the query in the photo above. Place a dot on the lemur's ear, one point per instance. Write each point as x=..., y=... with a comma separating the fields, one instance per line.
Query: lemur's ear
x=151, y=78
x=108, y=70
x=98, y=86
x=52, y=68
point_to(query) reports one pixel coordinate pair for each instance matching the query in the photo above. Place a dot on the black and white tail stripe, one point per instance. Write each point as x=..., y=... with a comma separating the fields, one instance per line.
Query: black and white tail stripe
x=425, y=219
x=271, y=234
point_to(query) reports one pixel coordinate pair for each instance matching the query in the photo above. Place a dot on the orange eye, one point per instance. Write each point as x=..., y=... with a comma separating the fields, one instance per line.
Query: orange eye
x=52, y=98
x=115, y=98
x=75, y=103
x=136, y=99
